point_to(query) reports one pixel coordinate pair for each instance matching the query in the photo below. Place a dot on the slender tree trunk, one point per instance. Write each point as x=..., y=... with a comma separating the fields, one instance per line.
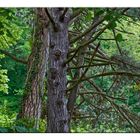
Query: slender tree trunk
x=34, y=88
x=59, y=44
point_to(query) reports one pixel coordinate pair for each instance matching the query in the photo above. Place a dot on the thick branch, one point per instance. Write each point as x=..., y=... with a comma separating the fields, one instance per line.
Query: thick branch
x=13, y=57
x=103, y=94
x=51, y=20
x=92, y=65
x=109, y=74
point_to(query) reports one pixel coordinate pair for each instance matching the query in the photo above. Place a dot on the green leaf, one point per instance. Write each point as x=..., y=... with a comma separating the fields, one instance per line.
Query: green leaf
x=3, y=130
x=99, y=12
x=132, y=100
x=1, y=25
x=9, y=17
x=3, y=81
x=1, y=33
x=137, y=110
x=112, y=25
x=119, y=37
x=89, y=16
x=33, y=130
x=21, y=129
x=5, y=12
x=69, y=77
x=108, y=17
x=8, y=33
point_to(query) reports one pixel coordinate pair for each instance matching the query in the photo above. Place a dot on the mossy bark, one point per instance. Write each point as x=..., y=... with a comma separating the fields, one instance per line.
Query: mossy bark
x=34, y=88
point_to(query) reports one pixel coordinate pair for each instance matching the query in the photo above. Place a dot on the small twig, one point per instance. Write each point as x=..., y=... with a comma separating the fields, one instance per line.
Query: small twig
x=123, y=31
x=113, y=83
x=118, y=46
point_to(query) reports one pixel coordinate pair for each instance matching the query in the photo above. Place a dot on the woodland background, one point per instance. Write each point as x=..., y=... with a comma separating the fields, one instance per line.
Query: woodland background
x=103, y=68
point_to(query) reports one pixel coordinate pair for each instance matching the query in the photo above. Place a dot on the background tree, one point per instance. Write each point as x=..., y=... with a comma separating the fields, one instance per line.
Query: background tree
x=34, y=87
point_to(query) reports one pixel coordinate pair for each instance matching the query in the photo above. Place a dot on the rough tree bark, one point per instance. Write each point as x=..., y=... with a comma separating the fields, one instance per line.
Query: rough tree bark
x=59, y=44
x=34, y=88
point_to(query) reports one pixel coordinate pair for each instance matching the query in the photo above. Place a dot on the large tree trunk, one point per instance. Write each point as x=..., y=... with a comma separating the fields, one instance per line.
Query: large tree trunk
x=59, y=44
x=34, y=88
